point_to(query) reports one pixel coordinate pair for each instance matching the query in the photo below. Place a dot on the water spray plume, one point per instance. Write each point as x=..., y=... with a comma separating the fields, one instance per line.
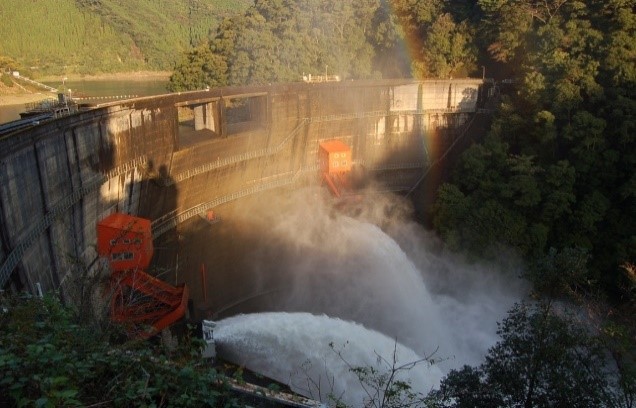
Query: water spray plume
x=378, y=269
x=317, y=353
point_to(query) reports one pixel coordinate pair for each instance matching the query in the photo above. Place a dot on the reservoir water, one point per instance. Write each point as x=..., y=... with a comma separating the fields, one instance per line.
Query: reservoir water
x=93, y=88
x=84, y=88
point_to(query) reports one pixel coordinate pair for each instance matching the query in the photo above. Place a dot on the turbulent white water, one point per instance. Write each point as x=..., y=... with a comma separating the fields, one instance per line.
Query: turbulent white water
x=389, y=279
x=313, y=354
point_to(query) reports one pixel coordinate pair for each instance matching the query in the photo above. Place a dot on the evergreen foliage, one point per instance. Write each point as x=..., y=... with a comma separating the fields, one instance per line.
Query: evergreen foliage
x=280, y=41
x=49, y=359
x=544, y=359
x=554, y=178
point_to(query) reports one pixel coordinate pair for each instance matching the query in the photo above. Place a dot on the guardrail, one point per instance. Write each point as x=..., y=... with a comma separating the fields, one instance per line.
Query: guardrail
x=172, y=219
x=394, y=166
x=234, y=159
x=97, y=98
x=276, y=149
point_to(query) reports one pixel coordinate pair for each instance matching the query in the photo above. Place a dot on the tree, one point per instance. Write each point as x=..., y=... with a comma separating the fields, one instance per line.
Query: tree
x=447, y=50
x=543, y=360
x=199, y=69
x=557, y=165
x=388, y=36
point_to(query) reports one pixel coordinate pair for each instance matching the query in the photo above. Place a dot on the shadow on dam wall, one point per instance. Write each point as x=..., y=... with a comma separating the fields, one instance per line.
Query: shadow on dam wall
x=175, y=157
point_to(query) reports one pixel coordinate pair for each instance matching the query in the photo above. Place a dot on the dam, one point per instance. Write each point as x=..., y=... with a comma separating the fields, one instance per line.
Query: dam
x=175, y=158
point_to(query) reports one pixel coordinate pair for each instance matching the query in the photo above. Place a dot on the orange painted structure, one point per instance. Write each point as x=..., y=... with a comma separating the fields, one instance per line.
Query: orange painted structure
x=143, y=304
x=334, y=157
x=335, y=161
x=126, y=241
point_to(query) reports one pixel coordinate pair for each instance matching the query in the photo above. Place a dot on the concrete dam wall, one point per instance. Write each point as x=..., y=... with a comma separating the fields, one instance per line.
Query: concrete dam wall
x=171, y=157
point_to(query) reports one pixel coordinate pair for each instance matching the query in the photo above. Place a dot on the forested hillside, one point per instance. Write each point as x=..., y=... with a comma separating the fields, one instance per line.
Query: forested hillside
x=555, y=178
x=93, y=36
x=276, y=41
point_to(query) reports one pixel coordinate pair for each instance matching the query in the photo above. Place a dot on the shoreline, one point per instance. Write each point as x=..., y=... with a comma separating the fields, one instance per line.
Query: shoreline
x=20, y=95
x=135, y=75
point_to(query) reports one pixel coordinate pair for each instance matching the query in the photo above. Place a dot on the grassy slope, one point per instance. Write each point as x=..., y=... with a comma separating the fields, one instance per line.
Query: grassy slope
x=55, y=33
x=91, y=36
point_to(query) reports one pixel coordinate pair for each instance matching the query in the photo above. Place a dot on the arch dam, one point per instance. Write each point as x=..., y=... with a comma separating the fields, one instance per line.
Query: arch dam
x=173, y=157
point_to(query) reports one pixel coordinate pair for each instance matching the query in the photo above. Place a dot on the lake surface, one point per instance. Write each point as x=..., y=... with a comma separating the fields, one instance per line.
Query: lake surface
x=112, y=87
x=10, y=112
x=86, y=89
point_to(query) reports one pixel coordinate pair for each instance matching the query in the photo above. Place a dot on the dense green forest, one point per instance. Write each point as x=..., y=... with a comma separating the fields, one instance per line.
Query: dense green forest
x=95, y=36
x=278, y=41
x=552, y=181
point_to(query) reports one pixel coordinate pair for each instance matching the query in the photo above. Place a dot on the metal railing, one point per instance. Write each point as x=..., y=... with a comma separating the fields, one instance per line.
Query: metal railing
x=219, y=163
x=234, y=159
x=140, y=161
x=394, y=166
x=172, y=219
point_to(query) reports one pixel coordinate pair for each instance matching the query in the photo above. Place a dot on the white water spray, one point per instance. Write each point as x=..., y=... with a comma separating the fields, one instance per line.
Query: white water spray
x=388, y=279
x=317, y=353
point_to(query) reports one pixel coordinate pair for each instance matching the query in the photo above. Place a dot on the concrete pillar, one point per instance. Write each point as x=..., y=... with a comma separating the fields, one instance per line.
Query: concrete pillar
x=222, y=124
x=199, y=117
x=209, y=116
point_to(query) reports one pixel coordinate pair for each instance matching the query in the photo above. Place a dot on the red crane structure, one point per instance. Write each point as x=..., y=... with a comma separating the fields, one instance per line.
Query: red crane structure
x=143, y=304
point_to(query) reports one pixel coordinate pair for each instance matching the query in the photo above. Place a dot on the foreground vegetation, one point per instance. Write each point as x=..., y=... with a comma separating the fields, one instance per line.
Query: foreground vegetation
x=49, y=357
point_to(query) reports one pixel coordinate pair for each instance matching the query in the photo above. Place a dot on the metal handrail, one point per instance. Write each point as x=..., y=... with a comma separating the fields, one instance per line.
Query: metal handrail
x=48, y=88
x=234, y=159
x=204, y=168
x=173, y=218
